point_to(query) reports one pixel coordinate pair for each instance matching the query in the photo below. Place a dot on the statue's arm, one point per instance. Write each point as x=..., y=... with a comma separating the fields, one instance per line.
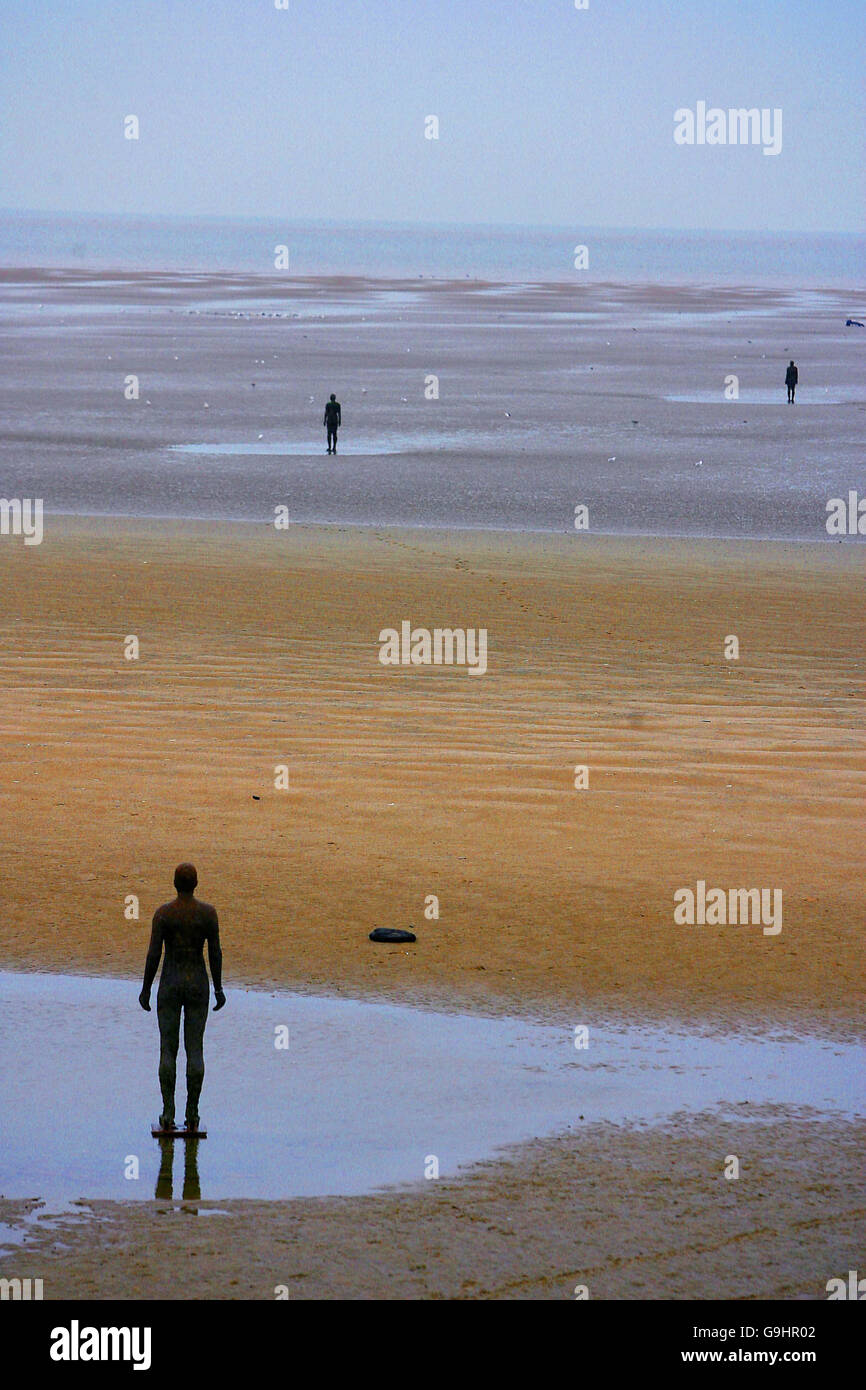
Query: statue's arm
x=215, y=959
x=151, y=964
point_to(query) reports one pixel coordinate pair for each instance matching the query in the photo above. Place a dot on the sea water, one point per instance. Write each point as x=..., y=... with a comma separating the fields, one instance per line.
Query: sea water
x=439, y=250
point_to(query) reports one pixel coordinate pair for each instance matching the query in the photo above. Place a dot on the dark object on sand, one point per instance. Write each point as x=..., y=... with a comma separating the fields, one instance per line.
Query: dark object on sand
x=392, y=934
x=854, y=323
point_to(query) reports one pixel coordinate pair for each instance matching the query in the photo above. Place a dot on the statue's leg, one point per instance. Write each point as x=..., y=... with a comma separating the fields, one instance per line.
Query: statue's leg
x=168, y=1014
x=194, y=1020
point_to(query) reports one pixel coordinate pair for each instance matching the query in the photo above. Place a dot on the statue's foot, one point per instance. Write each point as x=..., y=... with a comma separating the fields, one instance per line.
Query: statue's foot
x=191, y=1122
x=167, y=1122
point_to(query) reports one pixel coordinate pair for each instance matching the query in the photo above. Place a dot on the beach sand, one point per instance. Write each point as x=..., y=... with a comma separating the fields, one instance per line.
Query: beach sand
x=259, y=649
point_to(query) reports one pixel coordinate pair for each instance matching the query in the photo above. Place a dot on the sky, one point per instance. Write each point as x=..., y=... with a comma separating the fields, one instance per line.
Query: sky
x=548, y=115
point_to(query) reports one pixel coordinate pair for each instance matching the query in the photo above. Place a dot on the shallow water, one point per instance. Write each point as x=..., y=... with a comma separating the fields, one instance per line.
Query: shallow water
x=362, y=1097
x=817, y=395
x=324, y=304
x=364, y=445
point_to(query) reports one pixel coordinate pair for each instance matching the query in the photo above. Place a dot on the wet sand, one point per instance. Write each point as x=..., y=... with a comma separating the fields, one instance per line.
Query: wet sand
x=464, y=404
x=627, y=1213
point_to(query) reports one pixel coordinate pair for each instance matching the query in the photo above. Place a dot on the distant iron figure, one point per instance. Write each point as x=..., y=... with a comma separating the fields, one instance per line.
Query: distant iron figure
x=182, y=927
x=332, y=421
x=792, y=376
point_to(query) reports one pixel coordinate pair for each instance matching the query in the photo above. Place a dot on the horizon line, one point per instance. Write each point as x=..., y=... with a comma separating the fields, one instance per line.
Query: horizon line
x=571, y=228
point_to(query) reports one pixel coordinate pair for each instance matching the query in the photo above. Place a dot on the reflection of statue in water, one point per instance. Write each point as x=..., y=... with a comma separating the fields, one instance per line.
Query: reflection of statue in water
x=164, y=1180
x=183, y=927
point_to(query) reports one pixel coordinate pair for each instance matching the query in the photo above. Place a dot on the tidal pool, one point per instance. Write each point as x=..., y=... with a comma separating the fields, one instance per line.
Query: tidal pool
x=308, y=1095
x=283, y=447
x=815, y=395
x=364, y=444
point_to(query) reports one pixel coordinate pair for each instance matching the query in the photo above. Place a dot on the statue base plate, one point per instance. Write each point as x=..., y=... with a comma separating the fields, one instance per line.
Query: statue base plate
x=178, y=1133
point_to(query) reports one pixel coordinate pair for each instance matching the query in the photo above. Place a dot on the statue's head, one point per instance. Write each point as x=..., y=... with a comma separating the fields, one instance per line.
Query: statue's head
x=333, y=397
x=185, y=878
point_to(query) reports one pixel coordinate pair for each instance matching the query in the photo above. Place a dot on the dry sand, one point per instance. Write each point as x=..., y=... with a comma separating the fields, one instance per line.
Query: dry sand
x=259, y=648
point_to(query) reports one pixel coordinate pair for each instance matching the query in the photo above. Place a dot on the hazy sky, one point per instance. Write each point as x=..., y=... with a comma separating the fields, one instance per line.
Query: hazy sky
x=547, y=114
